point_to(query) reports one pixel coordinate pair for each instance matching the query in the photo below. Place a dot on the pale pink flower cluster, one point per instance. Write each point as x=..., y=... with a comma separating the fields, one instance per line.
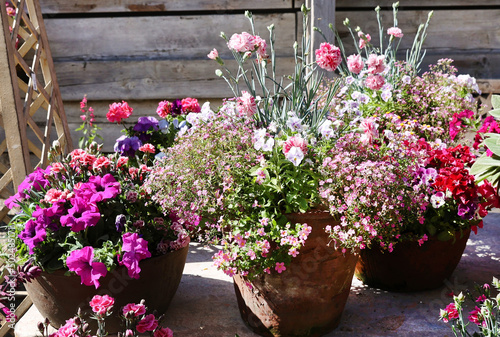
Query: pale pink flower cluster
x=395, y=31
x=247, y=43
x=355, y=63
x=328, y=56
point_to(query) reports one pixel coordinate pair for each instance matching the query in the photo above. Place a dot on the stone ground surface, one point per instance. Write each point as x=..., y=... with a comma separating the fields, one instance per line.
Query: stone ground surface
x=205, y=304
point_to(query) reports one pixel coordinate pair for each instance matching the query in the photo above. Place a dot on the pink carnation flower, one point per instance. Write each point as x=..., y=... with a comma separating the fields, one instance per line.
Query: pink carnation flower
x=213, y=55
x=163, y=332
x=242, y=43
x=395, y=31
x=135, y=310
x=451, y=312
x=147, y=148
x=295, y=141
x=247, y=104
x=67, y=330
x=362, y=42
x=101, y=163
x=375, y=63
x=370, y=131
x=54, y=195
x=118, y=111
x=81, y=261
x=328, y=56
x=148, y=323
x=101, y=304
x=164, y=109
x=355, y=64
x=261, y=45
x=190, y=105
x=375, y=82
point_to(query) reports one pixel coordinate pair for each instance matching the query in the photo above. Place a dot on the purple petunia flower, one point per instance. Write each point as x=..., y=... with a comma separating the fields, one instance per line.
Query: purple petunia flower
x=35, y=181
x=104, y=187
x=134, y=250
x=81, y=262
x=127, y=146
x=146, y=123
x=82, y=215
x=32, y=234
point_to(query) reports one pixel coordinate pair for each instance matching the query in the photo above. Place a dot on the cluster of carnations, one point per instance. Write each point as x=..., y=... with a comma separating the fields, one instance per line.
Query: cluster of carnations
x=485, y=316
x=134, y=316
x=70, y=205
x=150, y=135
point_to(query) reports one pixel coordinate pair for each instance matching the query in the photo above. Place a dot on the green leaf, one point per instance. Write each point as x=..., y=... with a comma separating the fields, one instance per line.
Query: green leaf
x=445, y=236
x=495, y=101
x=495, y=113
x=493, y=145
x=303, y=205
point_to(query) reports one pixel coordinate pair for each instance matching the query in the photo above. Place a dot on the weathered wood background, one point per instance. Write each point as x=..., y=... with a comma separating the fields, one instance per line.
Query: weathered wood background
x=147, y=51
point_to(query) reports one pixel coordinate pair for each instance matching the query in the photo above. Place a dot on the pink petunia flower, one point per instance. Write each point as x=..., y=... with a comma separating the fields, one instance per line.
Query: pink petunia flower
x=355, y=64
x=134, y=250
x=395, y=31
x=118, y=111
x=328, y=56
x=81, y=261
x=101, y=304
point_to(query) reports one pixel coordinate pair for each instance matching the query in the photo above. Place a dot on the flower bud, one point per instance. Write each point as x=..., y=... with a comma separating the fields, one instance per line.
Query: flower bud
x=218, y=72
x=460, y=298
x=223, y=35
x=347, y=22
x=41, y=327
x=395, y=5
x=248, y=14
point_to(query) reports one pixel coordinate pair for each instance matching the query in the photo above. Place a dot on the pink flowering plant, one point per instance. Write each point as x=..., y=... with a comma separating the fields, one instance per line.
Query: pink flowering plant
x=136, y=321
x=87, y=214
x=483, y=317
x=376, y=83
x=150, y=135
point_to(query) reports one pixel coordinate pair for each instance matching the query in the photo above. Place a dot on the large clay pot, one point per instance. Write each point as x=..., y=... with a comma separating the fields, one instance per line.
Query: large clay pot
x=411, y=267
x=58, y=297
x=308, y=298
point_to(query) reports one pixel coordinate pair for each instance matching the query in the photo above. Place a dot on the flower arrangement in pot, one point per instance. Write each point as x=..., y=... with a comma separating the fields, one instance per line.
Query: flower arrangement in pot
x=253, y=171
x=416, y=122
x=88, y=224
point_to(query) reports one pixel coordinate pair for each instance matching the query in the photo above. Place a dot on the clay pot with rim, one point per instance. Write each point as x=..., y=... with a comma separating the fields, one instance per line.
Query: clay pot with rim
x=411, y=267
x=58, y=297
x=309, y=297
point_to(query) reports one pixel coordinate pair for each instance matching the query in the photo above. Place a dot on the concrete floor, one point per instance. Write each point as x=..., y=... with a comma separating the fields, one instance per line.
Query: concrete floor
x=205, y=304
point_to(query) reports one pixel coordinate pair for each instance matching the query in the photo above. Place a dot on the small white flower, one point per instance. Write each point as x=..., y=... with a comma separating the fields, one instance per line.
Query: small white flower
x=386, y=95
x=295, y=124
x=326, y=130
x=406, y=79
x=349, y=80
x=355, y=95
x=268, y=145
x=437, y=200
x=363, y=98
x=273, y=127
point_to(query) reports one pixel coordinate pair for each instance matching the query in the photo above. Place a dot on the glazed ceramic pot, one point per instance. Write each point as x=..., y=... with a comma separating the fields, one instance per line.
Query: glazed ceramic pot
x=411, y=267
x=58, y=297
x=308, y=298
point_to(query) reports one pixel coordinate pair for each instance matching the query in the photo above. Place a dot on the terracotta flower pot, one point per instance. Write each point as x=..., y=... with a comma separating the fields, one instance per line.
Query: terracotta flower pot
x=309, y=297
x=58, y=297
x=411, y=267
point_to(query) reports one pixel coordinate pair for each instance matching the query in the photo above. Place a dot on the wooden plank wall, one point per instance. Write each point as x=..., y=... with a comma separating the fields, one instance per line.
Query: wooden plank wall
x=146, y=51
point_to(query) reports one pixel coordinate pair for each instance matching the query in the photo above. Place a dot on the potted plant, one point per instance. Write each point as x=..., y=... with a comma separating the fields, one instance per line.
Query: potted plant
x=88, y=224
x=420, y=119
x=253, y=171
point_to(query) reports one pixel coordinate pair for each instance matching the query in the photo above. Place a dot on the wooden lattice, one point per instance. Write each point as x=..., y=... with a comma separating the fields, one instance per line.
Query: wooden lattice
x=31, y=109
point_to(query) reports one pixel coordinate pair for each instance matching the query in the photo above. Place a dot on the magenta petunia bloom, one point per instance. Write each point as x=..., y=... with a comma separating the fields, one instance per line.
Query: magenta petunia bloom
x=81, y=262
x=50, y=217
x=32, y=234
x=82, y=215
x=35, y=181
x=104, y=187
x=134, y=250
